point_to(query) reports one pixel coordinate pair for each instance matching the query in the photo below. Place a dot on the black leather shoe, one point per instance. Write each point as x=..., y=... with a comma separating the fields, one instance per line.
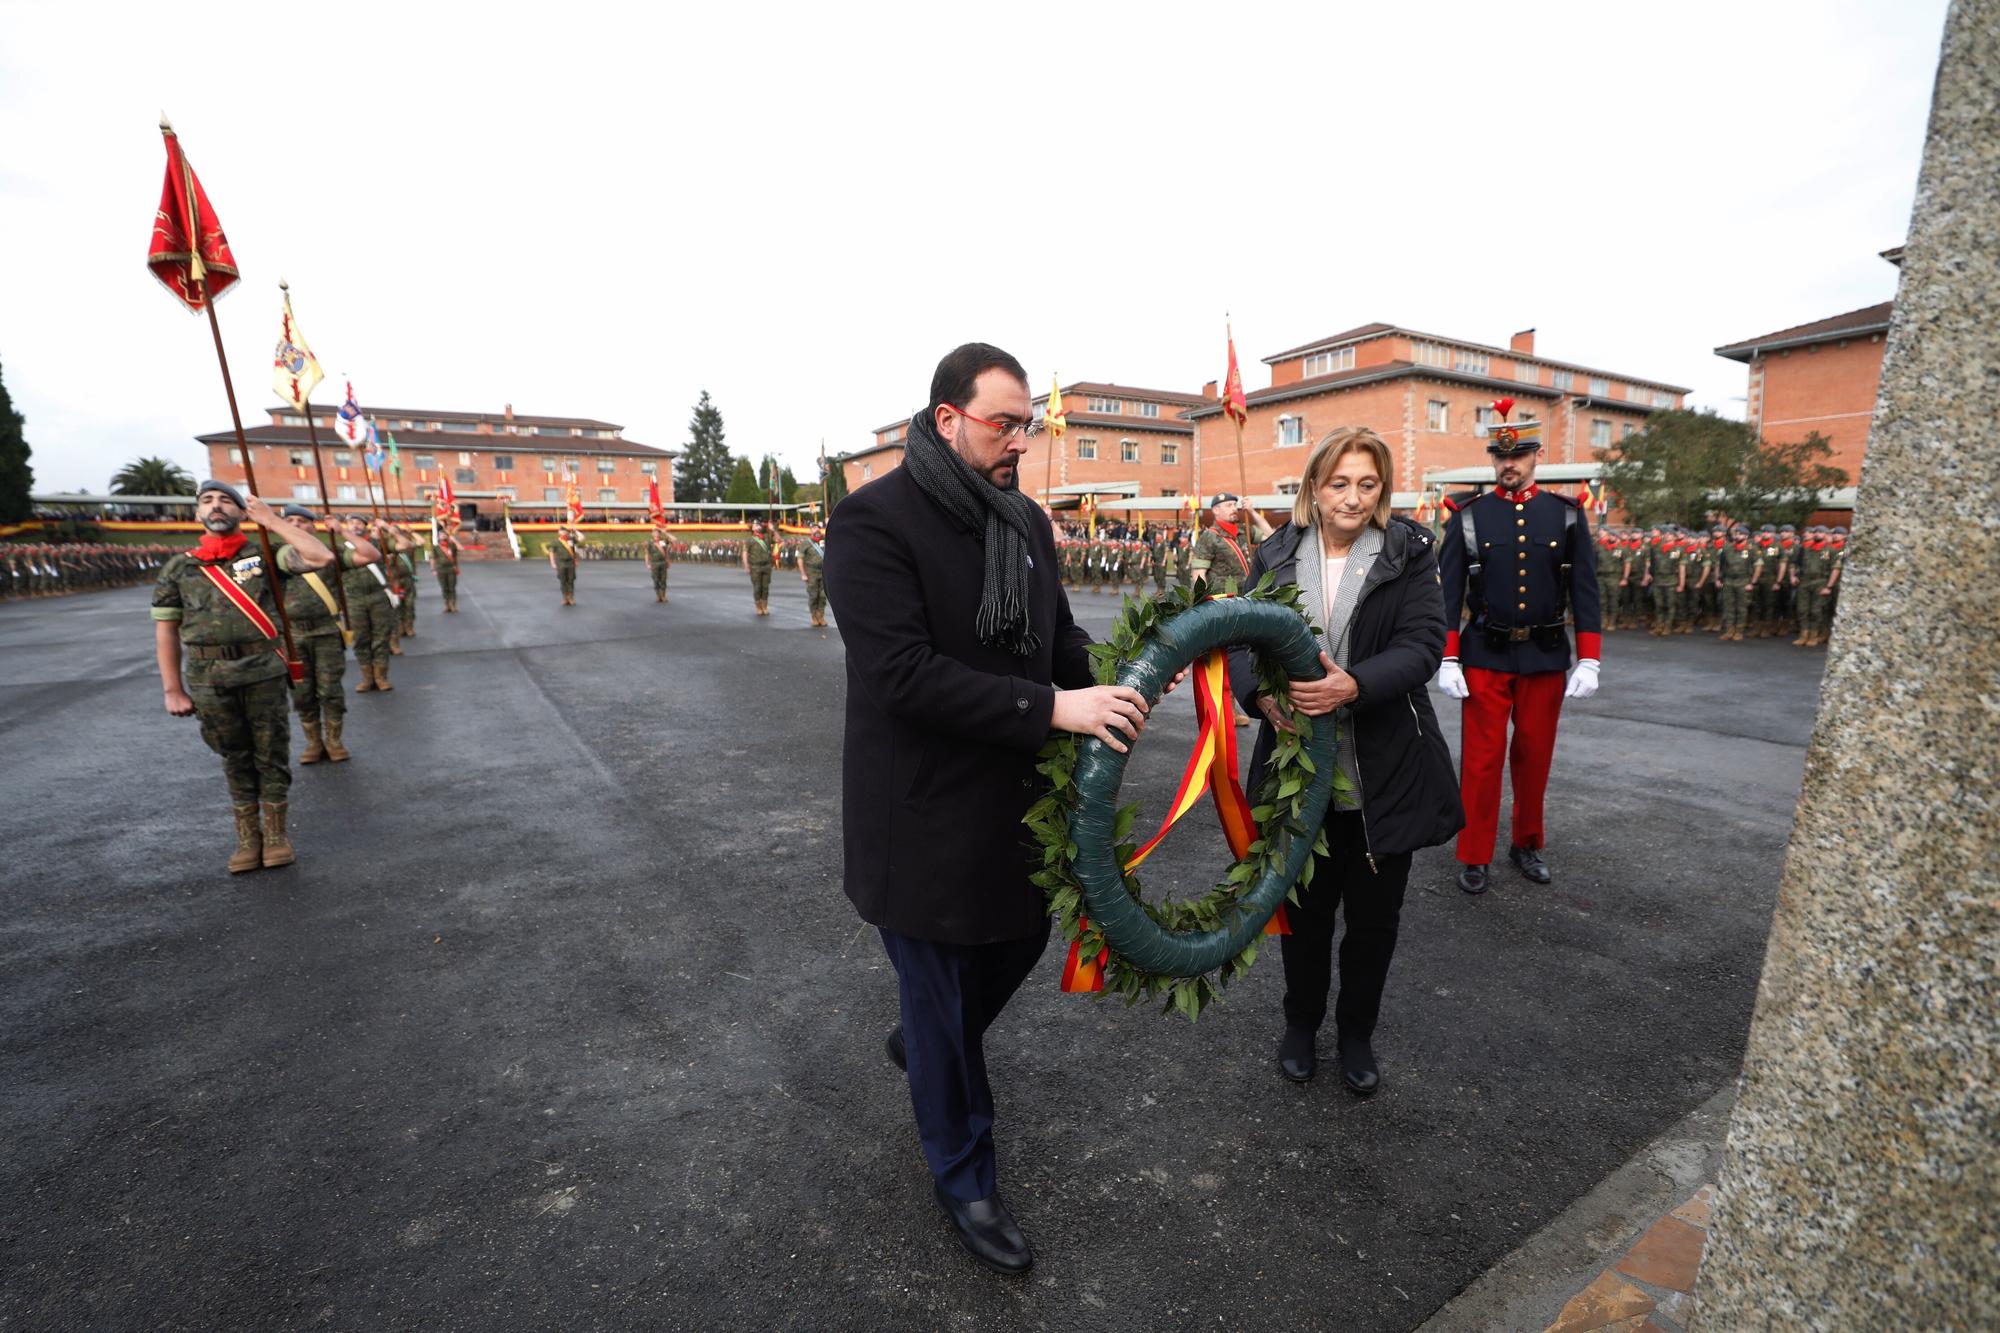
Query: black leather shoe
x=1530, y=863
x=897, y=1051
x=1357, y=1065
x=1295, y=1055
x=1472, y=878
x=986, y=1228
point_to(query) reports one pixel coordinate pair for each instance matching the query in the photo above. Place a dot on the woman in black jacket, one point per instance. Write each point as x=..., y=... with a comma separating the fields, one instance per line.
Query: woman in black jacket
x=1371, y=582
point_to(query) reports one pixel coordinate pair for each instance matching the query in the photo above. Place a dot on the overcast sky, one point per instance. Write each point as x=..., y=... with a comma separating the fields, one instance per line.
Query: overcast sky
x=601, y=210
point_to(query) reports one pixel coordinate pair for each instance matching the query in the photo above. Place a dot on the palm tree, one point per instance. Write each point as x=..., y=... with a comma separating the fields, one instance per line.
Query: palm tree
x=152, y=476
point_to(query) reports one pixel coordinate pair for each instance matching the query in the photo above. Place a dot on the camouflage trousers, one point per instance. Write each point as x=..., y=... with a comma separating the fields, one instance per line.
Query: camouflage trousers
x=374, y=624
x=321, y=693
x=760, y=584
x=659, y=573
x=1814, y=609
x=406, y=614
x=567, y=579
x=448, y=584
x=1735, y=604
x=815, y=593
x=250, y=727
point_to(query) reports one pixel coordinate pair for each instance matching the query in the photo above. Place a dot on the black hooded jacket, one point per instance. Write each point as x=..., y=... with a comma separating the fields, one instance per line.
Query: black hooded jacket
x=1409, y=788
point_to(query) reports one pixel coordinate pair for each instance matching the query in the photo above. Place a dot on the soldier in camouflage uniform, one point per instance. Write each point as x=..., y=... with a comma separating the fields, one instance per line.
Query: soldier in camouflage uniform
x=314, y=611
x=758, y=564
x=444, y=564
x=1763, y=582
x=371, y=610
x=1163, y=554
x=1735, y=571
x=563, y=558
x=1138, y=566
x=403, y=558
x=811, y=558
x=1698, y=560
x=1812, y=586
x=1838, y=542
x=1222, y=553
x=659, y=559
x=235, y=673
x=1607, y=575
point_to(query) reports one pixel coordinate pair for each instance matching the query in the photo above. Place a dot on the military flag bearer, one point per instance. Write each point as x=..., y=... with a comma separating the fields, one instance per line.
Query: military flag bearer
x=444, y=564
x=563, y=559
x=812, y=560
x=371, y=607
x=320, y=695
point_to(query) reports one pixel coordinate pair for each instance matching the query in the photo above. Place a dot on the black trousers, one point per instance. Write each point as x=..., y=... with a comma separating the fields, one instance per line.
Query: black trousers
x=951, y=993
x=1373, y=900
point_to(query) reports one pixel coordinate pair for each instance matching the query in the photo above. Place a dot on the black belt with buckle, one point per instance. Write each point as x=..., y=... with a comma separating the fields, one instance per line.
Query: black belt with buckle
x=227, y=652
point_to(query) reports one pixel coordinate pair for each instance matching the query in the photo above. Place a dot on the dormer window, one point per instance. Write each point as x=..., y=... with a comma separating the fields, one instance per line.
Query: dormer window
x=1108, y=407
x=1326, y=363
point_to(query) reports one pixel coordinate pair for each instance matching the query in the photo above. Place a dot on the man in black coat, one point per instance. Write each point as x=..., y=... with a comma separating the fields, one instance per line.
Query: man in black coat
x=945, y=582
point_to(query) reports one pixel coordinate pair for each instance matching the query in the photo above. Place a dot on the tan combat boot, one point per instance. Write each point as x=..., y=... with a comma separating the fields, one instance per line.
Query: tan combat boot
x=395, y=645
x=249, y=852
x=277, y=847
x=382, y=677
x=335, y=751
x=315, y=748
x=367, y=678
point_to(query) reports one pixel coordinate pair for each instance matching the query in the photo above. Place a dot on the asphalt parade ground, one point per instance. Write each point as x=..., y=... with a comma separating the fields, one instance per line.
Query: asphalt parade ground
x=562, y=1020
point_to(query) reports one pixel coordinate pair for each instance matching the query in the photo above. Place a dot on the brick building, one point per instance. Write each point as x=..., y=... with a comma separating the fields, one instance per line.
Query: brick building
x=526, y=461
x=1423, y=394
x=865, y=465
x=1820, y=377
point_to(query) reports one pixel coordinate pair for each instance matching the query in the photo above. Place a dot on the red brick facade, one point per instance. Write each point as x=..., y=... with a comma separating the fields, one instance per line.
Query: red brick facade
x=1817, y=377
x=528, y=461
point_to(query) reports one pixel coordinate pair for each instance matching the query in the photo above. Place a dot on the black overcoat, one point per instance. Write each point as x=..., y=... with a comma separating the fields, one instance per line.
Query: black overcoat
x=1409, y=789
x=939, y=761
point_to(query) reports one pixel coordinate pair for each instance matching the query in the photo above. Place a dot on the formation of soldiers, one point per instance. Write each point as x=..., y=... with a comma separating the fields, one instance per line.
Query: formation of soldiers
x=1112, y=561
x=56, y=569
x=1728, y=580
x=759, y=553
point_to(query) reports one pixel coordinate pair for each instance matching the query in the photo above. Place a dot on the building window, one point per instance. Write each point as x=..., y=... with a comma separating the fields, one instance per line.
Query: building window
x=1430, y=354
x=1600, y=433
x=1471, y=362
x=305, y=490
x=867, y=471
x=1661, y=398
x=300, y=458
x=465, y=460
x=607, y=465
x=607, y=494
x=1437, y=415
x=1527, y=373
x=1109, y=407
x=552, y=494
x=1146, y=409
x=1326, y=363
x=235, y=454
x=1086, y=450
x=1626, y=434
x=505, y=492
x=341, y=458
x=503, y=462
x=1291, y=431
x=347, y=492
x=424, y=460
x=1563, y=379
x=552, y=465
x=1599, y=388
x=1170, y=453
x=1486, y=416
x=1128, y=451
x=464, y=476
x=605, y=434
x=461, y=428
x=576, y=431
x=1290, y=487
x=649, y=469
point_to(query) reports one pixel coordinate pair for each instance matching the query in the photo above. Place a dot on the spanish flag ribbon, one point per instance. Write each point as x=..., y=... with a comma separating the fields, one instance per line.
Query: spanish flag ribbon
x=1081, y=976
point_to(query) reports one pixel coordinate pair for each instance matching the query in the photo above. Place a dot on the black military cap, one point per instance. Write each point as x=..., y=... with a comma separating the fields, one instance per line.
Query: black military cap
x=1224, y=497
x=298, y=511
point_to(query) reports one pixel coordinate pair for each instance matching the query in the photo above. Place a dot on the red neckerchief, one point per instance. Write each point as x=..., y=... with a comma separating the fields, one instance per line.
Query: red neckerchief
x=1228, y=531
x=1518, y=497
x=212, y=547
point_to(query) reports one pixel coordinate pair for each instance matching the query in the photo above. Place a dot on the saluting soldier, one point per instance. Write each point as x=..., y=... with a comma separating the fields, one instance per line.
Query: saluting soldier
x=1222, y=552
x=371, y=607
x=563, y=559
x=658, y=560
x=1520, y=559
x=811, y=560
x=215, y=617
x=320, y=695
x=758, y=564
x=444, y=564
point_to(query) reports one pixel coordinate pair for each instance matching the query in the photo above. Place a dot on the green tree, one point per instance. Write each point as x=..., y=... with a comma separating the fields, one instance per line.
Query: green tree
x=743, y=488
x=835, y=484
x=788, y=486
x=17, y=479
x=152, y=476
x=1687, y=466
x=703, y=471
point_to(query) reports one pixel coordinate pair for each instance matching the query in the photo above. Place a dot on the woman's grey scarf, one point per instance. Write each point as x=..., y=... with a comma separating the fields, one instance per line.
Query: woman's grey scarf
x=1004, y=519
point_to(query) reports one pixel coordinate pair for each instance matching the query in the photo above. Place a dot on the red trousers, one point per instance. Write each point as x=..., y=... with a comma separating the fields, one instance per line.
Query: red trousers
x=1535, y=702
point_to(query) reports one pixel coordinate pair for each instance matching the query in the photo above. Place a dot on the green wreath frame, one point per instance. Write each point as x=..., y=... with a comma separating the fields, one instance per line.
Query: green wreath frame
x=1186, y=951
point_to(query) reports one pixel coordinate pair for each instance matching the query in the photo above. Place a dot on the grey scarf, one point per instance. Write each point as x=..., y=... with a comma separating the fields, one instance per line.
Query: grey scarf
x=1003, y=518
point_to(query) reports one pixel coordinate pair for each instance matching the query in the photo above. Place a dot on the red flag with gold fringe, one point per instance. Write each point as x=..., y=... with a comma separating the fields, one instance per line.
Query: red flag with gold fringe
x=188, y=253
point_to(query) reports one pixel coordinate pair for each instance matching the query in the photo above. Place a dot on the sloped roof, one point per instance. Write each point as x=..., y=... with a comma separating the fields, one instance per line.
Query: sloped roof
x=1868, y=319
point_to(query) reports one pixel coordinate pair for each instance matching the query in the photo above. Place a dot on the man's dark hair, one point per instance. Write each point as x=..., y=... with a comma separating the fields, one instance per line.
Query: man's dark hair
x=961, y=368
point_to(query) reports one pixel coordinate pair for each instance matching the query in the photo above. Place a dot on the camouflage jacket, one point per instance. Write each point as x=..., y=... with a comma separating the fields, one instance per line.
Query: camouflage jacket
x=208, y=619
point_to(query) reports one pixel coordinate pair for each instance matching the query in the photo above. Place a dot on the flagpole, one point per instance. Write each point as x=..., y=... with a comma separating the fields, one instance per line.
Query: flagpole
x=1242, y=471
x=271, y=571
x=326, y=502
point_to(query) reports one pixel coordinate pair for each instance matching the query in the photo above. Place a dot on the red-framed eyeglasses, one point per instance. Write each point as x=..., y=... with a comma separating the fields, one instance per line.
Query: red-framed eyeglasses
x=1008, y=429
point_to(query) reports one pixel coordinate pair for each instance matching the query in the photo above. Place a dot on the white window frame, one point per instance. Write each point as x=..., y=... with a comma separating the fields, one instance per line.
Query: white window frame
x=1128, y=451
x=1563, y=380
x=1468, y=362
x=1103, y=407
x=1294, y=426
x=1600, y=432
x=552, y=495
x=1430, y=354
x=1170, y=454
x=304, y=490
x=1086, y=449
x=649, y=468
x=607, y=495
x=1527, y=373
x=1661, y=398
x=1599, y=388
x=1437, y=416
x=1146, y=409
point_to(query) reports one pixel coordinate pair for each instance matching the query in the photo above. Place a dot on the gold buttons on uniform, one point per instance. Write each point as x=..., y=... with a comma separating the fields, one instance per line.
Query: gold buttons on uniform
x=1520, y=522
x=1523, y=537
x=1552, y=543
x=1521, y=607
x=1520, y=506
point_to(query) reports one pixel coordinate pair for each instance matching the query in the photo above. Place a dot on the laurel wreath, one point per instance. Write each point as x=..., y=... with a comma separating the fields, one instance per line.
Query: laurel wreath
x=1277, y=801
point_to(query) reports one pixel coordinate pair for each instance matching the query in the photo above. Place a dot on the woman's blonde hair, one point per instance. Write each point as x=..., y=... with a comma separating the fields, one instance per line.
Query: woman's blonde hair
x=1326, y=456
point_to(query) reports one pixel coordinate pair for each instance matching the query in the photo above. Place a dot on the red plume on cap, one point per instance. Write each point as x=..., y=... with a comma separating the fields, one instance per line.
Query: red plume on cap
x=1503, y=406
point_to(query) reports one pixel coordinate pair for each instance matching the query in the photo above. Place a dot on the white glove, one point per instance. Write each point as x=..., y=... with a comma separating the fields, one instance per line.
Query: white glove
x=1452, y=681
x=1582, y=680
